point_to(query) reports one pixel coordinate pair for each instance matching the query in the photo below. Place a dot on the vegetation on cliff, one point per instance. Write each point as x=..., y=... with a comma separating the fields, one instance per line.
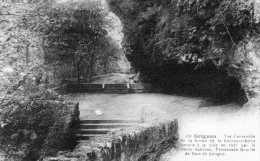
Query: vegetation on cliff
x=187, y=39
x=38, y=40
x=185, y=31
x=58, y=40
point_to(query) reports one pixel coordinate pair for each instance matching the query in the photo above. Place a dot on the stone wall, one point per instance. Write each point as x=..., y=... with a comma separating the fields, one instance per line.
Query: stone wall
x=146, y=142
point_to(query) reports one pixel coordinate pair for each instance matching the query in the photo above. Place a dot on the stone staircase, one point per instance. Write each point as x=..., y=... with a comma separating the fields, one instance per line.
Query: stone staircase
x=97, y=127
x=119, y=88
x=85, y=88
x=116, y=88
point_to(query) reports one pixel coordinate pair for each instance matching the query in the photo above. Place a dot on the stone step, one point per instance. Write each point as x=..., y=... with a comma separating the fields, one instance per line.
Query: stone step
x=108, y=88
x=115, y=86
x=96, y=131
x=85, y=86
x=83, y=141
x=116, y=91
x=140, y=86
x=106, y=125
x=89, y=88
x=102, y=121
x=140, y=91
x=85, y=91
x=101, y=126
x=86, y=136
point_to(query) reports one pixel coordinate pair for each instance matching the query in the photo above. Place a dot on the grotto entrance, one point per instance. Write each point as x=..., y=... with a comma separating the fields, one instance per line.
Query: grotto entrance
x=192, y=80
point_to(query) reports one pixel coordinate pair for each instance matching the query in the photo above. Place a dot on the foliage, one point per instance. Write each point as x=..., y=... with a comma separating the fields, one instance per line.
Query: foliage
x=191, y=31
x=74, y=34
x=187, y=45
x=26, y=124
x=37, y=32
x=29, y=124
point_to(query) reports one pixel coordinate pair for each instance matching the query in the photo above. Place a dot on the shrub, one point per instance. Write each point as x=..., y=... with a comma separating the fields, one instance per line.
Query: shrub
x=29, y=125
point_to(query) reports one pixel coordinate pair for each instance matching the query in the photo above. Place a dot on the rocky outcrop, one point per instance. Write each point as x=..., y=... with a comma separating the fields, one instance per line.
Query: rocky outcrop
x=247, y=69
x=51, y=128
x=147, y=142
x=246, y=65
x=62, y=134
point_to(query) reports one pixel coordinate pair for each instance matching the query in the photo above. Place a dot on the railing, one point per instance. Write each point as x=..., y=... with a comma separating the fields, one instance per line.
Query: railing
x=94, y=78
x=109, y=88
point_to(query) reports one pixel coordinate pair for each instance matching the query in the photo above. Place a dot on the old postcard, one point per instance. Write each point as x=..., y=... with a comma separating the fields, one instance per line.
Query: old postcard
x=129, y=80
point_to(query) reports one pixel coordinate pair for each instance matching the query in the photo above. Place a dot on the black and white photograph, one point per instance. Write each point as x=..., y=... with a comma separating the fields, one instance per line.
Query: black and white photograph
x=129, y=80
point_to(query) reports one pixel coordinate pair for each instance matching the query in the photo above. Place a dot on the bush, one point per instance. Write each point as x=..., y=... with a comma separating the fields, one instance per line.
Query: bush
x=29, y=124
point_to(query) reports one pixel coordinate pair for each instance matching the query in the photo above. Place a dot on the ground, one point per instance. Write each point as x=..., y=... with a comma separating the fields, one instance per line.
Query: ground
x=157, y=106
x=195, y=115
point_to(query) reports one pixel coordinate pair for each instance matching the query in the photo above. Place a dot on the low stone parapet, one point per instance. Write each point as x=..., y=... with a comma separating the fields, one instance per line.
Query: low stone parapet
x=144, y=141
x=85, y=88
x=110, y=88
x=140, y=88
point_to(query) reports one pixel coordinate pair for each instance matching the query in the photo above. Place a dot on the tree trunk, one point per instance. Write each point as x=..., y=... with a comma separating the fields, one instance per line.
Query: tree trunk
x=43, y=51
x=27, y=53
x=78, y=71
x=90, y=71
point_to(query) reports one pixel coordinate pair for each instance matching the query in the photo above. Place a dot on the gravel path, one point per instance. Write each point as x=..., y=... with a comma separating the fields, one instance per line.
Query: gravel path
x=151, y=106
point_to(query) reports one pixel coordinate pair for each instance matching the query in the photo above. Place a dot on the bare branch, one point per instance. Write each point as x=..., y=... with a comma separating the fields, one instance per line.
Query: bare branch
x=229, y=34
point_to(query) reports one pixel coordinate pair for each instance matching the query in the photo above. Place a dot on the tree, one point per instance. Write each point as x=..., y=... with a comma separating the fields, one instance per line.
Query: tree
x=76, y=34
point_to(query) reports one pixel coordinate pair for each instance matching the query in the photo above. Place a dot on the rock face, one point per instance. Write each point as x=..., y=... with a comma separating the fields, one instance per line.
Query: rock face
x=247, y=68
x=247, y=58
x=62, y=135
x=139, y=143
x=51, y=129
